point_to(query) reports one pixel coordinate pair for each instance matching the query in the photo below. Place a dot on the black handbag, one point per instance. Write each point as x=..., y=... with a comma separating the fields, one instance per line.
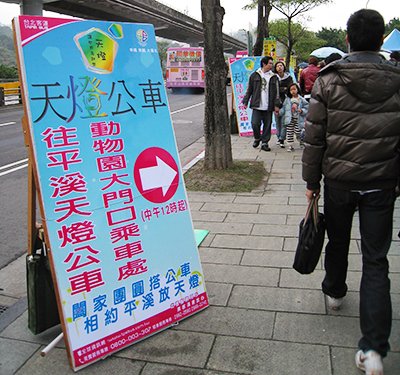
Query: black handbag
x=311, y=239
x=42, y=304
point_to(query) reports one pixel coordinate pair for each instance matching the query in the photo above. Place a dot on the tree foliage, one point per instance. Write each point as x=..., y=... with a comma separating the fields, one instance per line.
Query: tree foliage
x=337, y=37
x=8, y=72
x=7, y=54
x=300, y=40
x=394, y=23
x=278, y=29
x=333, y=38
x=308, y=43
x=291, y=9
x=162, y=46
x=218, y=149
x=304, y=41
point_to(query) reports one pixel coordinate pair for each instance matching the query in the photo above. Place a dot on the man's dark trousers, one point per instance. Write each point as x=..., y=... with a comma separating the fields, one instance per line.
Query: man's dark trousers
x=376, y=227
x=266, y=118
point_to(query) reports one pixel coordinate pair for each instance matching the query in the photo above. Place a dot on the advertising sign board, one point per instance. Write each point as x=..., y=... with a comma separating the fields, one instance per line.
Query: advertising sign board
x=114, y=206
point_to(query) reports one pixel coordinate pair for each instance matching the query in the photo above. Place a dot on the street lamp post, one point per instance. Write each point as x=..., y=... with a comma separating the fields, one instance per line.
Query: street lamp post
x=249, y=41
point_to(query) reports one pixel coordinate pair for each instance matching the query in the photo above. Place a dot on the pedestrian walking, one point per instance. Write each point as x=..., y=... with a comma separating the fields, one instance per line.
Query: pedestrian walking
x=293, y=114
x=285, y=80
x=352, y=137
x=308, y=76
x=263, y=94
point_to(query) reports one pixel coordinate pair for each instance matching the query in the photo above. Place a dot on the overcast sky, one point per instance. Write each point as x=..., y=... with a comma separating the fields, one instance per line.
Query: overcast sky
x=334, y=15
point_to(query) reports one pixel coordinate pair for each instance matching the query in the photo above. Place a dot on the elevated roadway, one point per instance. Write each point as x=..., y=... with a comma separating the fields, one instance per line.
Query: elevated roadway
x=168, y=22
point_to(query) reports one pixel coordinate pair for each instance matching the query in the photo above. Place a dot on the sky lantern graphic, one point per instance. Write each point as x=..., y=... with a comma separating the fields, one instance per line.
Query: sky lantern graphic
x=98, y=50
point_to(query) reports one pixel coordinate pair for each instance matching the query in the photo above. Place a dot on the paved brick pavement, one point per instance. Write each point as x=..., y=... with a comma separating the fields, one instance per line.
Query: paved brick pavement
x=264, y=318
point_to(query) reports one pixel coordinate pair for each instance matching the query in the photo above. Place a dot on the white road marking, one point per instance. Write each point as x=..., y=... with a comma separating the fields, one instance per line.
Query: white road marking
x=186, y=108
x=12, y=164
x=7, y=123
x=25, y=160
x=13, y=170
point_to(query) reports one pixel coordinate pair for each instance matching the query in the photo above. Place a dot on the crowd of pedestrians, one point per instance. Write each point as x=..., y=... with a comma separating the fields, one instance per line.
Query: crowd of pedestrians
x=272, y=90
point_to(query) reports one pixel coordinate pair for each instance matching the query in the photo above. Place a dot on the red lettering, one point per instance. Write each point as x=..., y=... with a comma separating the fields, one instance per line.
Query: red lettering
x=86, y=281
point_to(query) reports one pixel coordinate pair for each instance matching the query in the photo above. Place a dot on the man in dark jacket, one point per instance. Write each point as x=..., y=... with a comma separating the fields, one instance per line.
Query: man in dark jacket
x=352, y=137
x=263, y=93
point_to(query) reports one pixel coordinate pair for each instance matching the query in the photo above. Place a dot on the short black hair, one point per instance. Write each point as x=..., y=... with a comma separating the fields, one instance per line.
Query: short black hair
x=265, y=60
x=333, y=57
x=290, y=86
x=365, y=30
x=280, y=62
x=395, y=55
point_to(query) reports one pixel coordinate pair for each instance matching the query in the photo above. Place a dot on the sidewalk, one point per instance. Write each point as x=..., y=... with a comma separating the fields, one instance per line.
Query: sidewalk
x=264, y=317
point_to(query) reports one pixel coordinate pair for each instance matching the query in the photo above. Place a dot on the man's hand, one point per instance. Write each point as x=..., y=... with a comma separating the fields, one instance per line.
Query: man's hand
x=276, y=110
x=311, y=193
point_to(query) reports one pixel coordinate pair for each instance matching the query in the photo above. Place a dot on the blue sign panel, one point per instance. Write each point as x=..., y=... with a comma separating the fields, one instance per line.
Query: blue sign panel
x=114, y=203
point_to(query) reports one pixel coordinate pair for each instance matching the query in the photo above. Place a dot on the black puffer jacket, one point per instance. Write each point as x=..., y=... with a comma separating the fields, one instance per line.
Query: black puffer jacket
x=352, y=132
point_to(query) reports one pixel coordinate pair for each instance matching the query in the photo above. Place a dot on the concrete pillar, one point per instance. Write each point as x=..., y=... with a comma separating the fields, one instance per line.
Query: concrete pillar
x=31, y=7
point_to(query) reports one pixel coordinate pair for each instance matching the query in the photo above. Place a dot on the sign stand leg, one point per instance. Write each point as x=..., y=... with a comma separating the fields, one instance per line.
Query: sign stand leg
x=32, y=228
x=232, y=117
x=51, y=345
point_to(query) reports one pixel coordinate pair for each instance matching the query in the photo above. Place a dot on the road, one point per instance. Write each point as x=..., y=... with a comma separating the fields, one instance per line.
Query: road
x=187, y=111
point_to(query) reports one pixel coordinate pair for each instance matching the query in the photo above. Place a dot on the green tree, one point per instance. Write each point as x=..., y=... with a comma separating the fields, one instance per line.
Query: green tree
x=291, y=9
x=263, y=11
x=394, y=23
x=306, y=44
x=9, y=72
x=303, y=40
x=218, y=148
x=162, y=46
x=7, y=54
x=333, y=38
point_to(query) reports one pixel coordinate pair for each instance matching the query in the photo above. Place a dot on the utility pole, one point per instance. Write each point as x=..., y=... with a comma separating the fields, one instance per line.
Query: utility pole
x=249, y=43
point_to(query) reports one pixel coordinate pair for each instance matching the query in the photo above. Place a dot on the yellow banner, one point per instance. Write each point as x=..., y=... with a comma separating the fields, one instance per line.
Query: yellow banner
x=269, y=47
x=10, y=88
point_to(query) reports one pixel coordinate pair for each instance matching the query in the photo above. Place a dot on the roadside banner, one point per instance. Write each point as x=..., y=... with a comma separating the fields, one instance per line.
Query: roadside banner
x=240, y=70
x=269, y=47
x=114, y=206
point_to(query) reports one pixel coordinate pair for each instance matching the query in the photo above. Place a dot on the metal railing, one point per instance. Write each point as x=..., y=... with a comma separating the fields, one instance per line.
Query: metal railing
x=10, y=96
